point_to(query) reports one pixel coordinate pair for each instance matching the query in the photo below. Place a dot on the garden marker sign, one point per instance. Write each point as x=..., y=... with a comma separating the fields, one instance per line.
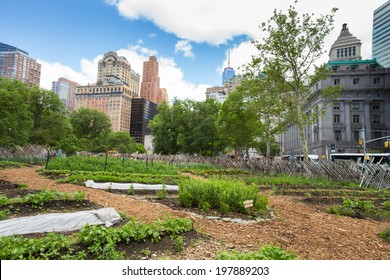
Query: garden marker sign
x=248, y=203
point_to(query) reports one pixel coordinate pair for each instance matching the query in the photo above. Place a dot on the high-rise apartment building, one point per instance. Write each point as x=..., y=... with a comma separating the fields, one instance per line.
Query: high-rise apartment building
x=112, y=67
x=66, y=90
x=142, y=112
x=15, y=64
x=150, y=85
x=112, y=94
x=162, y=96
x=381, y=35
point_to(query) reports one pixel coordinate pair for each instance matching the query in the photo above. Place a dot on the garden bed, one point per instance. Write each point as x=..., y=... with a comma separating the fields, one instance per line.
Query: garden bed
x=299, y=227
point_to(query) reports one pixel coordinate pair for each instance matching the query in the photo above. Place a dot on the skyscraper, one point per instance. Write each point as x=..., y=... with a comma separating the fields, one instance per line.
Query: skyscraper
x=15, y=64
x=381, y=35
x=66, y=90
x=112, y=94
x=228, y=73
x=150, y=85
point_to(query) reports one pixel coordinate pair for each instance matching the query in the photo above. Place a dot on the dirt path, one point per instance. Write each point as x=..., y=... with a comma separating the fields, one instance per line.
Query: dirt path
x=298, y=227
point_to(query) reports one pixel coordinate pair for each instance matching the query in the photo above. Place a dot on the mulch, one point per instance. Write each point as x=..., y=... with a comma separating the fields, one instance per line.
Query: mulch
x=299, y=227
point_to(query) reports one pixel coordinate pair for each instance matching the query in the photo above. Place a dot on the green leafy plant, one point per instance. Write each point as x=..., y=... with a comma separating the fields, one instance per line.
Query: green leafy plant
x=386, y=205
x=22, y=187
x=162, y=194
x=385, y=234
x=3, y=199
x=178, y=243
x=268, y=252
x=130, y=191
x=221, y=195
x=354, y=208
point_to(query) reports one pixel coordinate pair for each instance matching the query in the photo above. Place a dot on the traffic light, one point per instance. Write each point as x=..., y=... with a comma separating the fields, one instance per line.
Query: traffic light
x=333, y=146
x=387, y=144
x=360, y=141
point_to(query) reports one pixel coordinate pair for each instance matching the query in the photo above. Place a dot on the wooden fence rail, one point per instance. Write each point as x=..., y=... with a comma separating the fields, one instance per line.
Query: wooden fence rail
x=368, y=175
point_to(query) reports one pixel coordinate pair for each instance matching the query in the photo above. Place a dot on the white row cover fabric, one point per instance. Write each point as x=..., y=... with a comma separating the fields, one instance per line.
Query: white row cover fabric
x=126, y=186
x=58, y=222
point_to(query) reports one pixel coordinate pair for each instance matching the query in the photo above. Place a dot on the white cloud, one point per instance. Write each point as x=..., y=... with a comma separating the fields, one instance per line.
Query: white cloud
x=52, y=71
x=185, y=47
x=171, y=76
x=217, y=21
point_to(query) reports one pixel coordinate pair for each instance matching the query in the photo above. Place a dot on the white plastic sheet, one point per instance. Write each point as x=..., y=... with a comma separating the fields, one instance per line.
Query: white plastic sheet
x=58, y=222
x=126, y=186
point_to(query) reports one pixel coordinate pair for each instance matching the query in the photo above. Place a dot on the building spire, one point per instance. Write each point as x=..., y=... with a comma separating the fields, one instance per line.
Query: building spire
x=229, y=58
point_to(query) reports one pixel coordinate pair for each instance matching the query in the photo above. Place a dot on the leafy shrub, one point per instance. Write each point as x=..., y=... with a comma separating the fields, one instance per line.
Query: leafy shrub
x=221, y=195
x=268, y=252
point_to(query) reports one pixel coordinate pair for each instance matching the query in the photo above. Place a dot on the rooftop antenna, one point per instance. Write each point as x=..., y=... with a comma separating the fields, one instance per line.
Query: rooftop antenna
x=229, y=58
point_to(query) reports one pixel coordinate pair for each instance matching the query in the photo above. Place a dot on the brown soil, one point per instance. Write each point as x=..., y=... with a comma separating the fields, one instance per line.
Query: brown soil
x=302, y=228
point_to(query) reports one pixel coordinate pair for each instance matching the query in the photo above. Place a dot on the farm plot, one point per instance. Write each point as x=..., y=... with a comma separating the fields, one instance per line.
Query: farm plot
x=128, y=240
x=299, y=227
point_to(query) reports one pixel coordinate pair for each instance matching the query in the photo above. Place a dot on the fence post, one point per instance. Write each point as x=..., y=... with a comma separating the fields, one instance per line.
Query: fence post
x=47, y=158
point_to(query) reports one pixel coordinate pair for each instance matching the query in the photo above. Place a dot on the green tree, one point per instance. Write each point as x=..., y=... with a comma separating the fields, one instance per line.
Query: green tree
x=187, y=127
x=122, y=142
x=91, y=127
x=197, y=124
x=15, y=118
x=294, y=43
x=50, y=122
x=238, y=122
x=164, y=131
x=270, y=106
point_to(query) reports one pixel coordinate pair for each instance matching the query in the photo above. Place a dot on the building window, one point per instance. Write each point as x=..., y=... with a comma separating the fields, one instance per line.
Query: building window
x=355, y=119
x=376, y=119
x=336, y=82
x=376, y=106
x=377, y=81
x=337, y=135
x=338, y=53
x=336, y=106
x=353, y=51
x=355, y=106
x=356, y=81
x=356, y=135
x=336, y=118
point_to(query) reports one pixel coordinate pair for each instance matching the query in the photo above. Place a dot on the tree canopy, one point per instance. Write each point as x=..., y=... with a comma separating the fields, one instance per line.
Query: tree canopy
x=292, y=45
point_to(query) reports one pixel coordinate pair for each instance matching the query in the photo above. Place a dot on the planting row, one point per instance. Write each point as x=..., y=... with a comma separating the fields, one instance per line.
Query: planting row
x=94, y=242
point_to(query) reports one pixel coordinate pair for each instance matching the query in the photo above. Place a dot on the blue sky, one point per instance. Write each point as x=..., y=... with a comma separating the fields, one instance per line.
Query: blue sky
x=190, y=38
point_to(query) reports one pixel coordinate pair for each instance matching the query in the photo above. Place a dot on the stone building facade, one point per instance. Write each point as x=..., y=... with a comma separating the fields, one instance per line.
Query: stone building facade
x=364, y=103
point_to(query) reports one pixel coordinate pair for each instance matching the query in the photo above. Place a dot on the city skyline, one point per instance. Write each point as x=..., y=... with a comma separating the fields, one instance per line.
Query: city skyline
x=190, y=39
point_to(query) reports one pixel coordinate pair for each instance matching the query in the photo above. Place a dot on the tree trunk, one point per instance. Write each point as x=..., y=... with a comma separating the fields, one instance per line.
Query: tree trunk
x=301, y=126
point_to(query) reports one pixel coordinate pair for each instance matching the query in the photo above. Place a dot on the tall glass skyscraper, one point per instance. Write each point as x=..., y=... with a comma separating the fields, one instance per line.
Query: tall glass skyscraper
x=227, y=74
x=381, y=35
